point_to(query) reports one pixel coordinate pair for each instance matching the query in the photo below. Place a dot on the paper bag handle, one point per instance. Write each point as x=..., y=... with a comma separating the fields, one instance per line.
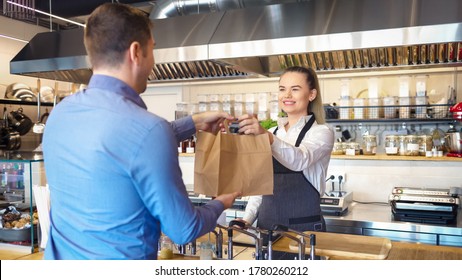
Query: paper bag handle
x=226, y=125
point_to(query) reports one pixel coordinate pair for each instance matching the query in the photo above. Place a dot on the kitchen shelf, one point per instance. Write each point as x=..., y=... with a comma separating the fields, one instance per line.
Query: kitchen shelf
x=399, y=158
x=396, y=120
x=21, y=102
x=424, y=114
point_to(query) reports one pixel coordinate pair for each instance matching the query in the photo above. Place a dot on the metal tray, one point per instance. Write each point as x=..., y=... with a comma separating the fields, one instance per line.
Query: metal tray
x=12, y=235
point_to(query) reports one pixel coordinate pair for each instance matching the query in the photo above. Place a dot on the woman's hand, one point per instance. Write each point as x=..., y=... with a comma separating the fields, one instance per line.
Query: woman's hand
x=249, y=124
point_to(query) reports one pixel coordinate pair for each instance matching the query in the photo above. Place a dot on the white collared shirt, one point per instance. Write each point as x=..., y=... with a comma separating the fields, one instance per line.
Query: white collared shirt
x=312, y=156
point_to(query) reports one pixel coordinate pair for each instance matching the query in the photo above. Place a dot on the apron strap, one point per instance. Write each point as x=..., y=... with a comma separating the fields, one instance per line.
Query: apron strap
x=304, y=130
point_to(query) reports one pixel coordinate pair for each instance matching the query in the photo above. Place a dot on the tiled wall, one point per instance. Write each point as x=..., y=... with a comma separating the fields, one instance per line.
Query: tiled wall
x=373, y=180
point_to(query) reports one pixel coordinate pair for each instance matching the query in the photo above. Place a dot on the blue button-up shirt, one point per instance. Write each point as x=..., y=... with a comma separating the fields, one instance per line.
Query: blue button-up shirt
x=114, y=177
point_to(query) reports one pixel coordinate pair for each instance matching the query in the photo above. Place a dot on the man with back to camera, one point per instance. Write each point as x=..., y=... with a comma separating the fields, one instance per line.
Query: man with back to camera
x=111, y=165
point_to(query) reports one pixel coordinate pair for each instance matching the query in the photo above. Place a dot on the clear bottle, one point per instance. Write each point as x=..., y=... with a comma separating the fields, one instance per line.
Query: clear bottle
x=190, y=149
x=206, y=250
x=20, y=176
x=391, y=144
x=369, y=144
x=4, y=176
x=402, y=145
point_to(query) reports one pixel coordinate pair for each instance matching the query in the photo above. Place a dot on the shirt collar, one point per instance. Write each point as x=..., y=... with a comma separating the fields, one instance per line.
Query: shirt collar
x=117, y=86
x=300, y=123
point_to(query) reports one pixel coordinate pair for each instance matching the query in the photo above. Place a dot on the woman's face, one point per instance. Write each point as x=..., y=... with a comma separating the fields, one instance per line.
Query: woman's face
x=295, y=94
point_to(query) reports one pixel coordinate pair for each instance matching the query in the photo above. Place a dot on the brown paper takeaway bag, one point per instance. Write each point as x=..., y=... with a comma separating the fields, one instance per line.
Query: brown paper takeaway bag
x=225, y=163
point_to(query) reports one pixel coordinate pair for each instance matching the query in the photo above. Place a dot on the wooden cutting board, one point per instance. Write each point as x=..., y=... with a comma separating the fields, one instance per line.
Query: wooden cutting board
x=342, y=246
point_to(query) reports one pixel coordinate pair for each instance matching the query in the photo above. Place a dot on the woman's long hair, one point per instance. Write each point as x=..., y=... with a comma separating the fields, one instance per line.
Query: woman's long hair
x=316, y=106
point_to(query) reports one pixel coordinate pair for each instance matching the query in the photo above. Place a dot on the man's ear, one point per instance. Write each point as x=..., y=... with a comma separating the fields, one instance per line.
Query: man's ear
x=135, y=52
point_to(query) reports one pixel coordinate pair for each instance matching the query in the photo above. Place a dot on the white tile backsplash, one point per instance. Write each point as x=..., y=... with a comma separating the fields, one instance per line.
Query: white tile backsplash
x=373, y=180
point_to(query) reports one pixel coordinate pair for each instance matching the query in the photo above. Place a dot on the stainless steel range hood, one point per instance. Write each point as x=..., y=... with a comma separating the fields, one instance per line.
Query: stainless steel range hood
x=328, y=35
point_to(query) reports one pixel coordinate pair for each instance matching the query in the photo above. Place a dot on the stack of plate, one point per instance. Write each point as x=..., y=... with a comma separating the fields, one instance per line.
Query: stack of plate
x=20, y=91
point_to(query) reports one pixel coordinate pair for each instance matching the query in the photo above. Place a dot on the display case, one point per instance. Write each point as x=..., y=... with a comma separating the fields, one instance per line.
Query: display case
x=19, y=172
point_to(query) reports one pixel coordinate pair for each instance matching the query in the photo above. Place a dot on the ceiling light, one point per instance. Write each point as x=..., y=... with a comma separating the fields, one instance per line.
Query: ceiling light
x=13, y=38
x=47, y=14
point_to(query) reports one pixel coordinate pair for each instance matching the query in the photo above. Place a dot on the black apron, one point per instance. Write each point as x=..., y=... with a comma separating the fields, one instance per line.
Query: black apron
x=295, y=202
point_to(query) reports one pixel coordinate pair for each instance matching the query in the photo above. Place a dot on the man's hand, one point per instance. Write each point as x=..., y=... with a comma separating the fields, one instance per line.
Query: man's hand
x=209, y=121
x=228, y=199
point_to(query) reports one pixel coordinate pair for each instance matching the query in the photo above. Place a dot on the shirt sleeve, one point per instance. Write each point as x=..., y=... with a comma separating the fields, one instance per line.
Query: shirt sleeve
x=251, y=209
x=160, y=185
x=183, y=128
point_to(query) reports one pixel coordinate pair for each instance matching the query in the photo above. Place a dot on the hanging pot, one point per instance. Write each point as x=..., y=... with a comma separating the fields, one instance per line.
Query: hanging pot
x=20, y=122
x=9, y=138
x=454, y=142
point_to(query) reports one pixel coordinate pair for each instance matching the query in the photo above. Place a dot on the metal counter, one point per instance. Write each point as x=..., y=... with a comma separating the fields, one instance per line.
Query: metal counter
x=377, y=220
x=373, y=220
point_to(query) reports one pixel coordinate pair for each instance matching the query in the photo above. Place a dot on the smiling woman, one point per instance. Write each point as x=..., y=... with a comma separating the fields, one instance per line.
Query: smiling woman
x=301, y=145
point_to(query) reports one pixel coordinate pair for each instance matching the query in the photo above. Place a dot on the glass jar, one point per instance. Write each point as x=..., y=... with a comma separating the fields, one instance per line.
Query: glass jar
x=412, y=145
x=338, y=148
x=204, y=106
x=426, y=143
x=206, y=250
x=352, y=149
x=391, y=144
x=165, y=248
x=369, y=144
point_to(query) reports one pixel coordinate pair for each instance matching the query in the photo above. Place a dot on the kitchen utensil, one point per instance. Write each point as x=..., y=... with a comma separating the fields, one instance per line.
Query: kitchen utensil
x=340, y=178
x=453, y=141
x=10, y=139
x=44, y=117
x=38, y=126
x=46, y=94
x=20, y=122
x=346, y=135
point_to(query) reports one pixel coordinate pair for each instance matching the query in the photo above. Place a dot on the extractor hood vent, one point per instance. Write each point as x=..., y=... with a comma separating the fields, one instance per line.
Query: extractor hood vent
x=407, y=57
x=193, y=70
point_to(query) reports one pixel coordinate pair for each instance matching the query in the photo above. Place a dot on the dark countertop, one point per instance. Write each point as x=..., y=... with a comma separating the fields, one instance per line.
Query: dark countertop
x=370, y=216
x=21, y=156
